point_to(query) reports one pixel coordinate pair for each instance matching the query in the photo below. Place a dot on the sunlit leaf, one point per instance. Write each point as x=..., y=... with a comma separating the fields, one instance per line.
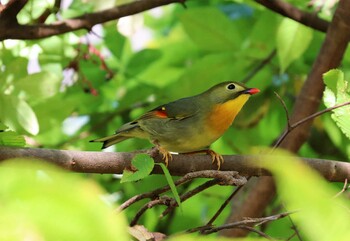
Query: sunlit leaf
x=17, y=114
x=143, y=164
x=39, y=85
x=338, y=92
x=27, y=118
x=319, y=215
x=293, y=39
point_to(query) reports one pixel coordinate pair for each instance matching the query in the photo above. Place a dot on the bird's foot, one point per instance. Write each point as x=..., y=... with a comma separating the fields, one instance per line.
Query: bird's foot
x=215, y=158
x=166, y=155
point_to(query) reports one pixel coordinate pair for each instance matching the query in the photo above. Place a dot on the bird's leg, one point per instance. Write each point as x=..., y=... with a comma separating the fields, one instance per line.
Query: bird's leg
x=215, y=157
x=166, y=155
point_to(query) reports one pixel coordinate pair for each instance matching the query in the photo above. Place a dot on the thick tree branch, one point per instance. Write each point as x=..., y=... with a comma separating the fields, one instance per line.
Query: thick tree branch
x=8, y=13
x=116, y=162
x=288, y=10
x=86, y=21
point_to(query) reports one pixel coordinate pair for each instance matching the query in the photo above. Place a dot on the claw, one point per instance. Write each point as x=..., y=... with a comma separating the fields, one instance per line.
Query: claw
x=166, y=155
x=215, y=158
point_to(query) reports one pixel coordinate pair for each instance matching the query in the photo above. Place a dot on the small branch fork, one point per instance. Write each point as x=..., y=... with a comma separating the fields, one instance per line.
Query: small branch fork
x=345, y=187
x=208, y=229
x=291, y=127
x=219, y=177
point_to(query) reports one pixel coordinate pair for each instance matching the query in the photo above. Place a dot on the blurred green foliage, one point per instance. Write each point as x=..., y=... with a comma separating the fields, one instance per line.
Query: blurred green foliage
x=61, y=92
x=40, y=202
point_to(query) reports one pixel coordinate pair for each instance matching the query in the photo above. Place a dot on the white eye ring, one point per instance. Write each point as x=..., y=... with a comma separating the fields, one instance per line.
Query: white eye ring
x=231, y=86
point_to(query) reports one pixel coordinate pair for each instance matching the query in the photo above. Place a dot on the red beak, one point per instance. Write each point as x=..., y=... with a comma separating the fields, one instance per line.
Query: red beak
x=252, y=91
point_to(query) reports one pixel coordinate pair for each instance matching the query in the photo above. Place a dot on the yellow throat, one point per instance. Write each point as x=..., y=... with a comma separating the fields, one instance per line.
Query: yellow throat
x=222, y=115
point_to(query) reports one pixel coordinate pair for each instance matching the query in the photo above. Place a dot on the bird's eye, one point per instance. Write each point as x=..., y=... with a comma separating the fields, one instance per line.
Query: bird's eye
x=231, y=87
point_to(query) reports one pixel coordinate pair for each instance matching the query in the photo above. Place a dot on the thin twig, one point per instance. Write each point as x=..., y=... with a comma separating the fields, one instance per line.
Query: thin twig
x=302, y=121
x=295, y=228
x=285, y=109
x=292, y=236
x=345, y=187
x=161, y=201
x=189, y=194
x=262, y=234
x=222, y=207
x=227, y=177
x=259, y=67
x=222, y=178
x=256, y=221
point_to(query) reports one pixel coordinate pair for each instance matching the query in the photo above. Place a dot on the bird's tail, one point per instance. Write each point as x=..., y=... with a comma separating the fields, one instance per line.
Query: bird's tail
x=111, y=140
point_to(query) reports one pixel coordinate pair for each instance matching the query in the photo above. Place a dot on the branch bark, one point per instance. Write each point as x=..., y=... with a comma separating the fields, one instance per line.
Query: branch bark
x=116, y=162
x=288, y=10
x=86, y=21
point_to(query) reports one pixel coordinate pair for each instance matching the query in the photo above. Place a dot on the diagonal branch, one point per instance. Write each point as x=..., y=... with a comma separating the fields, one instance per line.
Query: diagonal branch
x=244, y=221
x=86, y=21
x=291, y=127
x=8, y=12
x=288, y=10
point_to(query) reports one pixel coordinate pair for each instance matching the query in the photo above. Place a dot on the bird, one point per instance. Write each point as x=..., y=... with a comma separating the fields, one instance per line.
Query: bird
x=188, y=125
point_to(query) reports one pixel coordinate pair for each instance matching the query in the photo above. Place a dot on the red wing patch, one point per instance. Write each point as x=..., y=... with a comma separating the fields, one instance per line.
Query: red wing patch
x=161, y=113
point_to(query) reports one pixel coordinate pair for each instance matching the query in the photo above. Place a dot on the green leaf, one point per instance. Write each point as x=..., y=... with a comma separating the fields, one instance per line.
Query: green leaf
x=331, y=79
x=11, y=138
x=292, y=40
x=16, y=113
x=142, y=60
x=171, y=184
x=40, y=202
x=39, y=86
x=319, y=215
x=27, y=118
x=337, y=92
x=144, y=165
x=210, y=29
x=115, y=41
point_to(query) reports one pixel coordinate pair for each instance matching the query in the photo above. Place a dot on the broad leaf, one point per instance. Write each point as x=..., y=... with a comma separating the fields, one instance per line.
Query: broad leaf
x=337, y=92
x=144, y=165
x=39, y=85
x=17, y=114
x=141, y=60
x=319, y=215
x=210, y=29
x=27, y=118
x=292, y=40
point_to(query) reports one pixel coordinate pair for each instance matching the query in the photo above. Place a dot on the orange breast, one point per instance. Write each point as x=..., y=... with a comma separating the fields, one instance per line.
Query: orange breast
x=222, y=115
